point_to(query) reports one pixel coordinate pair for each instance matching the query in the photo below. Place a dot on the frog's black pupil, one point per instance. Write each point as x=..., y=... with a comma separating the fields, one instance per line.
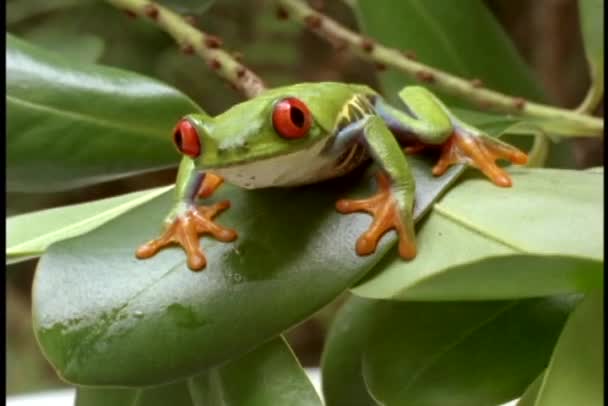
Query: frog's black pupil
x=178, y=139
x=297, y=116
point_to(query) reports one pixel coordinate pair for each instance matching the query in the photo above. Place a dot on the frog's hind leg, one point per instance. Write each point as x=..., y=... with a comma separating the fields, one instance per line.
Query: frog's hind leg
x=434, y=125
x=470, y=146
x=392, y=206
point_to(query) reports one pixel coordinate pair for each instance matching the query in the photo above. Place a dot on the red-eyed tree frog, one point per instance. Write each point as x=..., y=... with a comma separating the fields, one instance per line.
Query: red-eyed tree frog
x=309, y=132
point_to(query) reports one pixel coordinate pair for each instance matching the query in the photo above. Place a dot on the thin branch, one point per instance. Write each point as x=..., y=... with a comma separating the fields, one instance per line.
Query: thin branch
x=191, y=40
x=471, y=90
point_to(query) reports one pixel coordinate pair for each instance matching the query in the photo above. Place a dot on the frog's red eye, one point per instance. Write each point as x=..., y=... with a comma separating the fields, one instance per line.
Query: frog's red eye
x=291, y=118
x=186, y=139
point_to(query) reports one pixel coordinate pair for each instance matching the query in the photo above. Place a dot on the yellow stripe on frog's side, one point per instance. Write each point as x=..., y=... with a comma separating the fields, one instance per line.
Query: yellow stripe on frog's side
x=355, y=108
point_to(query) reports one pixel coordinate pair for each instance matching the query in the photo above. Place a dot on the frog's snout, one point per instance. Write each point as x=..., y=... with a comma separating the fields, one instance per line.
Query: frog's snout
x=186, y=139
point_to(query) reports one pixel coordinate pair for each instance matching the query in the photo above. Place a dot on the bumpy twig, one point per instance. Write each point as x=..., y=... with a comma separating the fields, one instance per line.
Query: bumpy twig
x=472, y=90
x=191, y=40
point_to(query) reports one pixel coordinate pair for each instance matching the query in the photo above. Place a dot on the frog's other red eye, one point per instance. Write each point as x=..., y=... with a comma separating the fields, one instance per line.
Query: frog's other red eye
x=291, y=118
x=186, y=139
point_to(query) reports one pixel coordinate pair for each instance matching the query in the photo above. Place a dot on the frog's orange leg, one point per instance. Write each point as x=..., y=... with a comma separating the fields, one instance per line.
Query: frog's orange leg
x=481, y=152
x=187, y=227
x=387, y=216
x=415, y=148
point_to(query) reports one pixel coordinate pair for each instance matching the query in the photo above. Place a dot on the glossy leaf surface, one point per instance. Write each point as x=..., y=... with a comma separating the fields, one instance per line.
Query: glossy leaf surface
x=575, y=375
x=75, y=124
x=542, y=236
x=269, y=375
x=29, y=235
x=294, y=254
x=448, y=354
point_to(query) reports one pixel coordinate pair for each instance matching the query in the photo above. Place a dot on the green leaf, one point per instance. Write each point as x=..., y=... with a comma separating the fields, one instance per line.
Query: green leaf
x=269, y=375
x=74, y=124
x=29, y=235
x=575, y=375
x=542, y=236
x=592, y=26
x=462, y=38
x=176, y=393
x=19, y=10
x=70, y=44
x=447, y=354
x=529, y=396
x=292, y=257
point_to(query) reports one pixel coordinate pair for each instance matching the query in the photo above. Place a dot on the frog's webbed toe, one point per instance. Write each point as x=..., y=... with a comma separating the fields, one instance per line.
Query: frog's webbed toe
x=387, y=215
x=480, y=151
x=185, y=231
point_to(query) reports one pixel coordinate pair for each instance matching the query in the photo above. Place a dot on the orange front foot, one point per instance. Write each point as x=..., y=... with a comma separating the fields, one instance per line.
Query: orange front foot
x=185, y=231
x=481, y=152
x=387, y=215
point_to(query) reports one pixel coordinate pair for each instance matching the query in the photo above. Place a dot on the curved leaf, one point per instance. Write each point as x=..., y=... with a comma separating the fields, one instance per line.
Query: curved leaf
x=592, y=27
x=269, y=375
x=543, y=236
x=29, y=235
x=74, y=124
x=575, y=375
x=447, y=354
x=529, y=396
x=293, y=256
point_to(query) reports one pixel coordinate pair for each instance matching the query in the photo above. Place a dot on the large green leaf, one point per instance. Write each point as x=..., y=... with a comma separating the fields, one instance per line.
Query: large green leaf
x=447, y=354
x=592, y=26
x=269, y=375
x=461, y=37
x=73, y=124
x=543, y=236
x=294, y=254
x=575, y=375
x=29, y=235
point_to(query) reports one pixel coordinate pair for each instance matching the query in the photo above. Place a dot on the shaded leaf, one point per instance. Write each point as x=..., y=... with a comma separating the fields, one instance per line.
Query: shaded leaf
x=30, y=234
x=69, y=43
x=529, y=396
x=269, y=375
x=592, y=27
x=295, y=255
x=19, y=10
x=543, y=236
x=442, y=35
x=74, y=124
x=575, y=375
x=456, y=353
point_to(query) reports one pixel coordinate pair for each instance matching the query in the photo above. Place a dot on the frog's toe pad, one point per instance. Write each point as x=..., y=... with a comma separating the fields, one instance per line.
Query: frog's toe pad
x=481, y=152
x=387, y=215
x=185, y=231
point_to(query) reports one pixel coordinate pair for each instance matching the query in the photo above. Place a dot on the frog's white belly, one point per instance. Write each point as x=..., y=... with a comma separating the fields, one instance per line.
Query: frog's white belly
x=300, y=167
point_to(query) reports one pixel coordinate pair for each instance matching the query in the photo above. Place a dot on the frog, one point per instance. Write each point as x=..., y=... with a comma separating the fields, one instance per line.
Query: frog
x=310, y=132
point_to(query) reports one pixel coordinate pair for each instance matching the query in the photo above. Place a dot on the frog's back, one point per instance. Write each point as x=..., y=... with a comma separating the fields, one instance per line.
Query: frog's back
x=324, y=99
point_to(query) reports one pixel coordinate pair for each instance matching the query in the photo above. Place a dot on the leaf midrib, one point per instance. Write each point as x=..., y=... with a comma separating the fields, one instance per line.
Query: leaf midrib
x=445, y=213
x=79, y=116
